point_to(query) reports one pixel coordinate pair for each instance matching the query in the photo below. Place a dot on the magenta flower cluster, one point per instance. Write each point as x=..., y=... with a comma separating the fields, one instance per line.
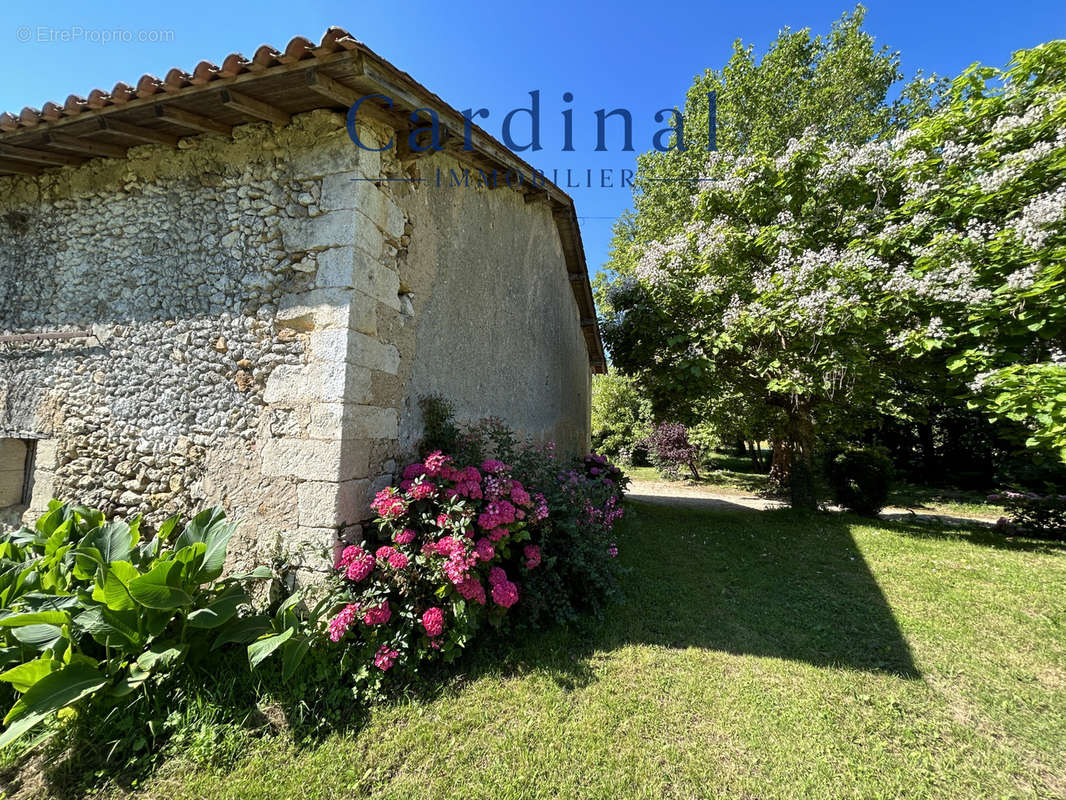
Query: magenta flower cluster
x=459, y=546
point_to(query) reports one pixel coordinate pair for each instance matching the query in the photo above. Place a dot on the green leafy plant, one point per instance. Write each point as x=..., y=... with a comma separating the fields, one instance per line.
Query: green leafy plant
x=861, y=478
x=91, y=608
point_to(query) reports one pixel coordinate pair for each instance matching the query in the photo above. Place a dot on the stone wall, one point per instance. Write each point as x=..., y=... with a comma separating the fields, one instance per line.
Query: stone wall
x=217, y=282
x=497, y=328
x=264, y=317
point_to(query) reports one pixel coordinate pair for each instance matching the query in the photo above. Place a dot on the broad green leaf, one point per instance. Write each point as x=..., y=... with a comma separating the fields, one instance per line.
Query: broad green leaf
x=154, y=590
x=115, y=592
x=162, y=655
x=216, y=540
x=61, y=688
x=292, y=654
x=111, y=628
x=20, y=727
x=243, y=630
x=27, y=674
x=197, y=528
x=219, y=611
x=39, y=637
x=113, y=540
x=35, y=618
x=261, y=648
x=259, y=573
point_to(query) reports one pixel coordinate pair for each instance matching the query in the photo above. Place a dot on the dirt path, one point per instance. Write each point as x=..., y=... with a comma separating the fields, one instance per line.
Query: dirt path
x=680, y=495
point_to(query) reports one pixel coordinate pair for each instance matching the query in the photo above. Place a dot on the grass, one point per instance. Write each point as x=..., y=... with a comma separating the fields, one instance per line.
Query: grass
x=758, y=655
x=721, y=473
x=726, y=474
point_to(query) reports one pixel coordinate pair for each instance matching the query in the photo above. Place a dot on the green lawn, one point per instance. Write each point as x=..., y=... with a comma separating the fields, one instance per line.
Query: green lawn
x=758, y=655
x=729, y=474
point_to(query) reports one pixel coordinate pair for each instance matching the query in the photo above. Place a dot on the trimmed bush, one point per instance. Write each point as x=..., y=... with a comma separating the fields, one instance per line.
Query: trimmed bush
x=860, y=479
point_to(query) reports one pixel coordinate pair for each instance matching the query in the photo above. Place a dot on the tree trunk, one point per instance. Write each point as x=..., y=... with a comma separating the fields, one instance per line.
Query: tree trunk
x=801, y=434
x=792, y=462
x=780, y=464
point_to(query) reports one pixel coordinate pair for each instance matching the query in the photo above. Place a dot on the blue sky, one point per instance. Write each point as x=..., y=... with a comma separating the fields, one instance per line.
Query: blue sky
x=637, y=55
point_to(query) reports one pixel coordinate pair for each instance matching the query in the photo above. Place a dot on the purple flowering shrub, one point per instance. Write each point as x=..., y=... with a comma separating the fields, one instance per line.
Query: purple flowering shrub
x=670, y=449
x=517, y=540
x=1033, y=514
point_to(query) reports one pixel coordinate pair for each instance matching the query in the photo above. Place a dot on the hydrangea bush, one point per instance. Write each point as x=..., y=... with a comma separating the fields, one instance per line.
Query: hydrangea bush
x=514, y=542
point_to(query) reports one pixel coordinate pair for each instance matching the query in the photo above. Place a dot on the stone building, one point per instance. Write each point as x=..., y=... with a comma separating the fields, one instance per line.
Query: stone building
x=209, y=294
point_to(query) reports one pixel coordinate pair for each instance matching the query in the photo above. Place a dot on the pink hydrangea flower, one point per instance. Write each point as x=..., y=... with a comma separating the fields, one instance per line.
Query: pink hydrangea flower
x=360, y=565
x=385, y=658
x=392, y=556
x=420, y=491
x=532, y=554
x=471, y=589
x=412, y=471
x=484, y=549
x=435, y=462
x=497, y=575
x=433, y=621
x=505, y=594
x=339, y=625
x=520, y=496
x=388, y=503
x=497, y=533
x=443, y=521
x=406, y=536
x=493, y=466
x=378, y=615
x=348, y=555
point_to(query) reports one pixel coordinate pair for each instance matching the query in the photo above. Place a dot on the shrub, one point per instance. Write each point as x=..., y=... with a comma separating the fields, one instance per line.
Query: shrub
x=670, y=450
x=90, y=610
x=1034, y=514
x=515, y=542
x=860, y=479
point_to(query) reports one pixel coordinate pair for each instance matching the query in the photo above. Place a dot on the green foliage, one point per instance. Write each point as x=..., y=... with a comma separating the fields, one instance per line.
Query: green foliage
x=438, y=423
x=1032, y=514
x=621, y=416
x=861, y=479
x=90, y=609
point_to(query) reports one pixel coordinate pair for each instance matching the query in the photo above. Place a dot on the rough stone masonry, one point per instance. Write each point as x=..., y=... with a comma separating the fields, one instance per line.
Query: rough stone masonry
x=261, y=321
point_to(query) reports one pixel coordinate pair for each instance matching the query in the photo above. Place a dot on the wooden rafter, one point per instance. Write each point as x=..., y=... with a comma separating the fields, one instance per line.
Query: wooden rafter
x=326, y=87
x=18, y=168
x=92, y=148
x=137, y=132
x=254, y=108
x=37, y=156
x=191, y=120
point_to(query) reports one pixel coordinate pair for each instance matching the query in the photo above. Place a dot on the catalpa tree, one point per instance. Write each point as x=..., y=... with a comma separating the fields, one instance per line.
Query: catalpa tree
x=809, y=280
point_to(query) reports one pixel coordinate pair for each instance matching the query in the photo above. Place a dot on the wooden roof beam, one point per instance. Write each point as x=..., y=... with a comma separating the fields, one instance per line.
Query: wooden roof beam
x=137, y=132
x=36, y=156
x=254, y=108
x=191, y=120
x=18, y=168
x=103, y=149
x=327, y=87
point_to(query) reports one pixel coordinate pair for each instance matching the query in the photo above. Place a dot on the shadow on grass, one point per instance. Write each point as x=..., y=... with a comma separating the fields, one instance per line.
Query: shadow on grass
x=768, y=583
x=772, y=583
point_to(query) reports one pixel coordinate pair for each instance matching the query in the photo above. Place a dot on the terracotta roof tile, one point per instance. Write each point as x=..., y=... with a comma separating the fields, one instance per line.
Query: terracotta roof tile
x=298, y=48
